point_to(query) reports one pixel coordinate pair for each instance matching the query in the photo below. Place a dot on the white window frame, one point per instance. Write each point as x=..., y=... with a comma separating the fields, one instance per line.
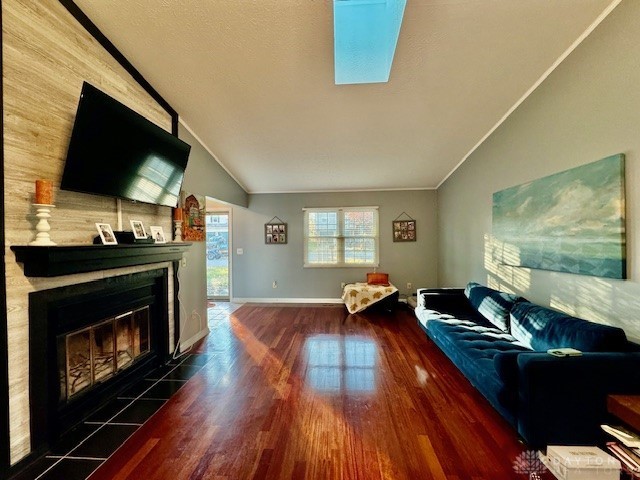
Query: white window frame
x=341, y=237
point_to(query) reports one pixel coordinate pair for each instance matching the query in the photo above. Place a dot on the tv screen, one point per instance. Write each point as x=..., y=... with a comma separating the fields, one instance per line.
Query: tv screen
x=117, y=152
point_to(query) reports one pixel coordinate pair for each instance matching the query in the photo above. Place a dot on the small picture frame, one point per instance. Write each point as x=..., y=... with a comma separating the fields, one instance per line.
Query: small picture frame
x=404, y=230
x=106, y=234
x=138, y=229
x=275, y=233
x=157, y=233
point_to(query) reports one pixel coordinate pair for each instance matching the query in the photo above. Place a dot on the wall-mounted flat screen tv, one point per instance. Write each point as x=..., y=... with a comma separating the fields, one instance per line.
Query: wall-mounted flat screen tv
x=115, y=151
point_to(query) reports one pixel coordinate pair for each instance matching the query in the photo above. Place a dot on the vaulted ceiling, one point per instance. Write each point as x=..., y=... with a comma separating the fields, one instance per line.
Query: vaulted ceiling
x=254, y=80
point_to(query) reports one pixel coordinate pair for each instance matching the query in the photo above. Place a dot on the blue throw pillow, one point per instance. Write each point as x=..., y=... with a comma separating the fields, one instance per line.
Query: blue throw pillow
x=541, y=328
x=492, y=304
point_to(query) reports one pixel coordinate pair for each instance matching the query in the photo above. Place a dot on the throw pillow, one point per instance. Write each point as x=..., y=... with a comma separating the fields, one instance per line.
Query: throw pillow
x=378, y=279
x=492, y=304
x=541, y=329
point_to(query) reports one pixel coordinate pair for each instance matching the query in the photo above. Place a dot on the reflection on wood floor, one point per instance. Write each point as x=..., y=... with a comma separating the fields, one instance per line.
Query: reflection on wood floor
x=294, y=392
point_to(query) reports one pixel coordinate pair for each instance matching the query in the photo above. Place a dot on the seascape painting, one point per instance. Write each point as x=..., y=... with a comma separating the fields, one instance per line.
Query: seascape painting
x=572, y=221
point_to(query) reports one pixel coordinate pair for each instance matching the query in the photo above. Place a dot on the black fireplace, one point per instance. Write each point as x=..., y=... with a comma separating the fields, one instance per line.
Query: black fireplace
x=88, y=342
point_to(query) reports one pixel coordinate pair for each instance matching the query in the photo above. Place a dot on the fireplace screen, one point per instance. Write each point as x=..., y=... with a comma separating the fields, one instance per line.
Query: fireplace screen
x=96, y=353
x=124, y=340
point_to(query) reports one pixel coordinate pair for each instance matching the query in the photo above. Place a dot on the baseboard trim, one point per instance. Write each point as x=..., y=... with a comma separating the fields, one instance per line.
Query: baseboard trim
x=285, y=300
x=190, y=341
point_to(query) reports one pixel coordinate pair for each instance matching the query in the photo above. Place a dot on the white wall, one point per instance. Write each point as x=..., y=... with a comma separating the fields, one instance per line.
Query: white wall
x=587, y=109
x=255, y=270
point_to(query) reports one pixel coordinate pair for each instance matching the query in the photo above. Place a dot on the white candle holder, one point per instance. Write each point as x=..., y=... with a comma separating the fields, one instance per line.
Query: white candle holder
x=177, y=232
x=42, y=227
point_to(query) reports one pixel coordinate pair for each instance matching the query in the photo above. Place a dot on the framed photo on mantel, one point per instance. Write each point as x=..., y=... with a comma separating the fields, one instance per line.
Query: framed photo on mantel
x=158, y=234
x=106, y=234
x=138, y=229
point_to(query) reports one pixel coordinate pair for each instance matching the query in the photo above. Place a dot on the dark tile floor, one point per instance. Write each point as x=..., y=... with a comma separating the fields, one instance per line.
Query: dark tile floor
x=85, y=448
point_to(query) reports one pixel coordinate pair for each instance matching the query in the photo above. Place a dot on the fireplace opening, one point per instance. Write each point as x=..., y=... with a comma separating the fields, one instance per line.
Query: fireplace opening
x=88, y=343
x=92, y=355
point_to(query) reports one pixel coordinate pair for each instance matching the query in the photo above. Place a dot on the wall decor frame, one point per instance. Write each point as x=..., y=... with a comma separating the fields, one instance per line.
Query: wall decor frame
x=193, y=219
x=404, y=230
x=275, y=233
x=572, y=221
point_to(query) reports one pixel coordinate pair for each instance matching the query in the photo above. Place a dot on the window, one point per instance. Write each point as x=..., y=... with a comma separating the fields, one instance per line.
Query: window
x=341, y=237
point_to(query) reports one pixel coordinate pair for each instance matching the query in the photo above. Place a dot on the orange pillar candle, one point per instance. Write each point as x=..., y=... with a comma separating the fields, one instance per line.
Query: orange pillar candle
x=177, y=214
x=44, y=192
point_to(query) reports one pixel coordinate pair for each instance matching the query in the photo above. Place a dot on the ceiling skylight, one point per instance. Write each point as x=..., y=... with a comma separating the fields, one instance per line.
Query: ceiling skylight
x=365, y=35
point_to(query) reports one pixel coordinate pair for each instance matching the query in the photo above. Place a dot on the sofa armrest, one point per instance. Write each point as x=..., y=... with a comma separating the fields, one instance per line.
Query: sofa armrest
x=564, y=400
x=432, y=298
x=451, y=301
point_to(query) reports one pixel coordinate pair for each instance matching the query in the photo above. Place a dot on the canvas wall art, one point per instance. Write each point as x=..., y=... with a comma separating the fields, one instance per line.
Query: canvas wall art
x=193, y=228
x=572, y=221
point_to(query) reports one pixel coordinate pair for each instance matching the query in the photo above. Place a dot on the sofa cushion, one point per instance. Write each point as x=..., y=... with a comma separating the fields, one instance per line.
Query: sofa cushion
x=541, y=328
x=492, y=304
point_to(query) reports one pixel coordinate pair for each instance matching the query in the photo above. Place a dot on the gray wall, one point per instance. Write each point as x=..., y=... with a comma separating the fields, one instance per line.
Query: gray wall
x=255, y=270
x=204, y=176
x=587, y=109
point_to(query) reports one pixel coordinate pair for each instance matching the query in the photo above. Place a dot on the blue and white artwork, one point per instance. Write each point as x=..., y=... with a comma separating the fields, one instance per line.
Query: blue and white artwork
x=572, y=221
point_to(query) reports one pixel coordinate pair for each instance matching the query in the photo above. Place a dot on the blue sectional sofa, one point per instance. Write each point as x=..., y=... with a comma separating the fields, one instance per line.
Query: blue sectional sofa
x=500, y=341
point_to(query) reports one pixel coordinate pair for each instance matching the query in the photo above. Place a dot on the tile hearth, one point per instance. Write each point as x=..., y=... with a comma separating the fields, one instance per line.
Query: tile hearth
x=83, y=450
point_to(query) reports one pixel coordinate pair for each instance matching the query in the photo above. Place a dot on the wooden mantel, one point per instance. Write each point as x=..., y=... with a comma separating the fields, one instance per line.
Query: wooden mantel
x=55, y=261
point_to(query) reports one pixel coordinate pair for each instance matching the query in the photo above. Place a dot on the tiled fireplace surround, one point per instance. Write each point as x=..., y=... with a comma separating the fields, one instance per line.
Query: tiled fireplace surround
x=93, y=284
x=95, y=319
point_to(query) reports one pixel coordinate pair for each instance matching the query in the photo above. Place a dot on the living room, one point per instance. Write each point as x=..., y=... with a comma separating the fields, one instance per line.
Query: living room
x=584, y=108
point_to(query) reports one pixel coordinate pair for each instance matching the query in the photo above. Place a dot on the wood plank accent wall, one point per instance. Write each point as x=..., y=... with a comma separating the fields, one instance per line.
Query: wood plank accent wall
x=47, y=55
x=4, y=373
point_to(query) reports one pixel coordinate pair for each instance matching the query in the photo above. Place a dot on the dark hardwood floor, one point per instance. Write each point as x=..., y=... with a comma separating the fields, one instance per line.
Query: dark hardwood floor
x=312, y=392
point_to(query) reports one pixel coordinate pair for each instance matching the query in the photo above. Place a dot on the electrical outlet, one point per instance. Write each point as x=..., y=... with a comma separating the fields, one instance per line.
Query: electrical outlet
x=342, y=285
x=274, y=284
x=409, y=285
